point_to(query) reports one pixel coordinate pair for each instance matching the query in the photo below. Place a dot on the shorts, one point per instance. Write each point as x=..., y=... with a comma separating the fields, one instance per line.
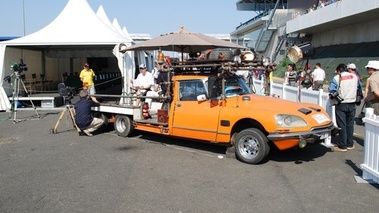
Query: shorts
x=91, y=90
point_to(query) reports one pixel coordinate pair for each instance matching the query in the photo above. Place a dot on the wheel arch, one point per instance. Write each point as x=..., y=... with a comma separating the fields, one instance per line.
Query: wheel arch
x=245, y=124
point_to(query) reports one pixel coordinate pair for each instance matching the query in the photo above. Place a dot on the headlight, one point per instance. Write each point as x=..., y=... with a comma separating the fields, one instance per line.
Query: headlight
x=283, y=120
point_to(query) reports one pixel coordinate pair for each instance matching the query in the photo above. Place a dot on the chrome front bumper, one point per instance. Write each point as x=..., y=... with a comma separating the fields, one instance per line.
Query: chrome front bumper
x=310, y=136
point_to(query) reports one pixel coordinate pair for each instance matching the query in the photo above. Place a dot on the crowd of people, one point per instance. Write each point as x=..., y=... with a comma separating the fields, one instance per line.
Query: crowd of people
x=320, y=4
x=305, y=78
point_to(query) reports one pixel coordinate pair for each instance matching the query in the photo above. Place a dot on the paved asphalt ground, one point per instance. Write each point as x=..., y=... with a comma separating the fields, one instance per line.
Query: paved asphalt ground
x=64, y=172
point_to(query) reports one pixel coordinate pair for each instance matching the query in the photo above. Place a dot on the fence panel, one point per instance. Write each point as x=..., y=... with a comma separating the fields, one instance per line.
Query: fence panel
x=370, y=166
x=291, y=93
x=276, y=90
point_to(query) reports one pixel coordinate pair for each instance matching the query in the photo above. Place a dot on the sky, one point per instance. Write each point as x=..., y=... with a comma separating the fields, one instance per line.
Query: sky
x=152, y=17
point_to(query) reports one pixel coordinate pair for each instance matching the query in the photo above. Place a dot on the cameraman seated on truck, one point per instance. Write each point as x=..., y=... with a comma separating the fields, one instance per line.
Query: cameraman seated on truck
x=83, y=118
x=143, y=83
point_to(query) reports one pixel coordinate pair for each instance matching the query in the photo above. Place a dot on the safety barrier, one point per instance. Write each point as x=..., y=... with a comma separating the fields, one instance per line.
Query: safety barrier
x=370, y=166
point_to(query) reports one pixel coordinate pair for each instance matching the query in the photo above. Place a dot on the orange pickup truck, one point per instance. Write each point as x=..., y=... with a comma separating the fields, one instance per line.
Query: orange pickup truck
x=216, y=106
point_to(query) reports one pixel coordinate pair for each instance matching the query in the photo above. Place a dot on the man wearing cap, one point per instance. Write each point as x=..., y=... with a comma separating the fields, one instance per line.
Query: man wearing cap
x=344, y=88
x=86, y=76
x=83, y=115
x=143, y=83
x=373, y=92
x=353, y=69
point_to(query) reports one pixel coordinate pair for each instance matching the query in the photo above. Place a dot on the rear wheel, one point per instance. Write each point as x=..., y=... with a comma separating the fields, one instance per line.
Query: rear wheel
x=251, y=146
x=123, y=125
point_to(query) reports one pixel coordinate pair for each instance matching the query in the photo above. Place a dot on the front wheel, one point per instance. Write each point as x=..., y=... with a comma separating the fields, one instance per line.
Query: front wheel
x=123, y=125
x=251, y=146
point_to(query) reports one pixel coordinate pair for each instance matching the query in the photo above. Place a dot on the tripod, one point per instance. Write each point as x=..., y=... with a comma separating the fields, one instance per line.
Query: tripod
x=16, y=91
x=71, y=113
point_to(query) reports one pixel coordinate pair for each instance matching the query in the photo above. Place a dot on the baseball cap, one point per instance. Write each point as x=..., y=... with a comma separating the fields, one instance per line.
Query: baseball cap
x=351, y=66
x=86, y=65
x=142, y=66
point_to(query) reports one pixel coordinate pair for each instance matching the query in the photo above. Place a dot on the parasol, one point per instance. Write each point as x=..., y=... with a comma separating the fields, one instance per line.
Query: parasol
x=184, y=41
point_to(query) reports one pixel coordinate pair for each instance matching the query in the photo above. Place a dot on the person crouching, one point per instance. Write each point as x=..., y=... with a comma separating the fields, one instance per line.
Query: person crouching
x=83, y=118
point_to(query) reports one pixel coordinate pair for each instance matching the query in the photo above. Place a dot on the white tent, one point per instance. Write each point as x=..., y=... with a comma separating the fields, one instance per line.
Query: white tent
x=77, y=32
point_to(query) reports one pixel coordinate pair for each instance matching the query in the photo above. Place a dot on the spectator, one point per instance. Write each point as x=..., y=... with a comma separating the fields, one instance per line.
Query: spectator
x=344, y=84
x=306, y=78
x=373, y=92
x=353, y=69
x=367, y=87
x=318, y=76
x=290, y=75
x=83, y=114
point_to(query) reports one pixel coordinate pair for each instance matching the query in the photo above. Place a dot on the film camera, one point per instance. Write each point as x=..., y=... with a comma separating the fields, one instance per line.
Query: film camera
x=66, y=92
x=335, y=96
x=17, y=69
x=20, y=67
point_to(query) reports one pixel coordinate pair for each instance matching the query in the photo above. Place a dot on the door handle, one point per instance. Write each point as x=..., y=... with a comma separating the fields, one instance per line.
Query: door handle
x=178, y=104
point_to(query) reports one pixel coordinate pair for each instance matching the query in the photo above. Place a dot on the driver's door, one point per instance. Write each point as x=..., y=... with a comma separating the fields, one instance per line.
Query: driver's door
x=193, y=118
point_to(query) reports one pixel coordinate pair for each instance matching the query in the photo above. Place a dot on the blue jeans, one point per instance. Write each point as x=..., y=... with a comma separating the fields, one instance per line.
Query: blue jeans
x=345, y=114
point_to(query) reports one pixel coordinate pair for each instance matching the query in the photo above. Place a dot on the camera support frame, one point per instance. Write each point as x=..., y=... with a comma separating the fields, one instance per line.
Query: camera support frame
x=71, y=114
x=15, y=97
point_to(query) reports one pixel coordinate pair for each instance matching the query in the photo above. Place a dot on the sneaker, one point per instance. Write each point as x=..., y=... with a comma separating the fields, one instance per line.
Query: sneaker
x=338, y=149
x=82, y=133
x=351, y=147
x=87, y=133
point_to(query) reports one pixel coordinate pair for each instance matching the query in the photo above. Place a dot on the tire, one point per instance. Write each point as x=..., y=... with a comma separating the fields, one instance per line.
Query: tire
x=123, y=125
x=251, y=146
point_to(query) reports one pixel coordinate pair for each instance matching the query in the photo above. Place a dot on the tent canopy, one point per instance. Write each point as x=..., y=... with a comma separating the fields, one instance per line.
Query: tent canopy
x=76, y=32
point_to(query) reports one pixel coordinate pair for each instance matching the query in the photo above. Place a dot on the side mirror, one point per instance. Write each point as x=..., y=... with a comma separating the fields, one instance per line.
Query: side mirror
x=201, y=97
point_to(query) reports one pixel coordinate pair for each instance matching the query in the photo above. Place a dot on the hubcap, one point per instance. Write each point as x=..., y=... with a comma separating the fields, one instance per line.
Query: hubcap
x=121, y=125
x=249, y=147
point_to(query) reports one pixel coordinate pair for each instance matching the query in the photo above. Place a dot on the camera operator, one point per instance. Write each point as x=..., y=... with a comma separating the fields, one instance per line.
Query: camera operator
x=343, y=88
x=83, y=118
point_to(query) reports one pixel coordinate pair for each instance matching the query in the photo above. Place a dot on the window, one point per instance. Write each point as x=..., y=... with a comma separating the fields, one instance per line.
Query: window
x=189, y=90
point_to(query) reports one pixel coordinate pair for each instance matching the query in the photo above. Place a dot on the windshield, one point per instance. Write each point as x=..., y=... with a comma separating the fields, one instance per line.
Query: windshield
x=233, y=86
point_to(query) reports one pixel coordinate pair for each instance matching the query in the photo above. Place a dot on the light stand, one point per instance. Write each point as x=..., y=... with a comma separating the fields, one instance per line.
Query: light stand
x=16, y=91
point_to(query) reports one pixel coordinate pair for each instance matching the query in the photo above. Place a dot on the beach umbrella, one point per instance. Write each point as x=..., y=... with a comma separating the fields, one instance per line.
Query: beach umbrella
x=184, y=41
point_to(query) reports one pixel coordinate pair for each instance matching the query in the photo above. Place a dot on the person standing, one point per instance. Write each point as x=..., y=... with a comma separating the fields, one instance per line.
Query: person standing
x=83, y=115
x=367, y=87
x=373, y=92
x=290, y=75
x=306, y=78
x=86, y=76
x=318, y=76
x=353, y=69
x=344, y=85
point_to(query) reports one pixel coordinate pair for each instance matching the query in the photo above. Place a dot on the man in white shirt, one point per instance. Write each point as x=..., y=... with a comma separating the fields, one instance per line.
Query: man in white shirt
x=143, y=83
x=318, y=76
